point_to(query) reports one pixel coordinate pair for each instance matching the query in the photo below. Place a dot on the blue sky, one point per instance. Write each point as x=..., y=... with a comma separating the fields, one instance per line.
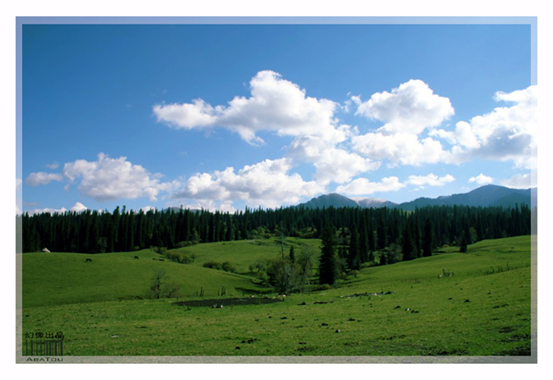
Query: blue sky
x=224, y=116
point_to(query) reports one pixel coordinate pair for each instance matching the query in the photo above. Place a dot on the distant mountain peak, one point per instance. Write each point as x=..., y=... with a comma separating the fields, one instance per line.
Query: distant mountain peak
x=484, y=196
x=330, y=200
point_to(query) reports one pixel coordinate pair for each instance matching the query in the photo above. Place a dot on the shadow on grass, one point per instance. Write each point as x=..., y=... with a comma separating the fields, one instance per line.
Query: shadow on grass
x=255, y=292
x=228, y=302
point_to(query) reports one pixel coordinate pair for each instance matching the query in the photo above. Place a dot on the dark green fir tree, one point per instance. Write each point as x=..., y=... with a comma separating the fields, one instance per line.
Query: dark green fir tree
x=328, y=263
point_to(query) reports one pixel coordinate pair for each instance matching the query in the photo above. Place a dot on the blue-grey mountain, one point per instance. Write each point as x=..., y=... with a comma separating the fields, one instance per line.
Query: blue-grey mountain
x=485, y=196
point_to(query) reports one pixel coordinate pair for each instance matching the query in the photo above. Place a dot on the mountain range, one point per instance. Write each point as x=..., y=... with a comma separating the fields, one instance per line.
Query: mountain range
x=485, y=196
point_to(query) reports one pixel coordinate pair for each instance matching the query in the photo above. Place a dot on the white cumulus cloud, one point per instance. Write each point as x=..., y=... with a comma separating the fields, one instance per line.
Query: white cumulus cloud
x=332, y=163
x=42, y=178
x=521, y=181
x=114, y=178
x=77, y=207
x=407, y=111
x=410, y=108
x=400, y=148
x=362, y=186
x=505, y=134
x=340, y=166
x=481, y=179
x=265, y=184
x=276, y=105
x=429, y=180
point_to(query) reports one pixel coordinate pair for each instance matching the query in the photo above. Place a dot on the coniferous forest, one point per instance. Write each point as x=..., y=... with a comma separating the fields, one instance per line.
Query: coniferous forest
x=362, y=231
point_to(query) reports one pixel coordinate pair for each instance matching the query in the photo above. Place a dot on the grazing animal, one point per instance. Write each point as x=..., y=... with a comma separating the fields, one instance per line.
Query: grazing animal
x=136, y=257
x=446, y=274
x=154, y=259
x=161, y=260
x=87, y=260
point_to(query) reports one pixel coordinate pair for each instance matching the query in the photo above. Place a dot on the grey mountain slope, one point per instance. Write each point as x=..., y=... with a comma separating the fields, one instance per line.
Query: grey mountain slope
x=485, y=196
x=328, y=200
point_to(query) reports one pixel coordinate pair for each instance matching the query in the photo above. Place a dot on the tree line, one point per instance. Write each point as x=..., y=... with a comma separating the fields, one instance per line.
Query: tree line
x=358, y=232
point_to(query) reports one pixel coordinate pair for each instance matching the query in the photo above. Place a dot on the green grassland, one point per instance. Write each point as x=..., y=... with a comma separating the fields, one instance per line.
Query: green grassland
x=244, y=253
x=483, y=309
x=65, y=278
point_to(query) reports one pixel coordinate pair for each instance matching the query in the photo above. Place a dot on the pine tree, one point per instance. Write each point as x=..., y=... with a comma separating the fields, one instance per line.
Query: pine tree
x=416, y=236
x=363, y=240
x=140, y=230
x=84, y=232
x=281, y=232
x=463, y=242
x=95, y=242
x=427, y=239
x=328, y=262
x=354, y=259
x=229, y=231
x=409, y=247
x=109, y=233
x=382, y=234
x=292, y=254
x=130, y=231
x=372, y=239
x=122, y=229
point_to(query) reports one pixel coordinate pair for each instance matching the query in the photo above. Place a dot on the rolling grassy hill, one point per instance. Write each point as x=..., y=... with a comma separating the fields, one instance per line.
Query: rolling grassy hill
x=243, y=253
x=405, y=309
x=65, y=278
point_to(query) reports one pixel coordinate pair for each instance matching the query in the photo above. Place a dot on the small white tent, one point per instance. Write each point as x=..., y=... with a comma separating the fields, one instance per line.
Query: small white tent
x=46, y=250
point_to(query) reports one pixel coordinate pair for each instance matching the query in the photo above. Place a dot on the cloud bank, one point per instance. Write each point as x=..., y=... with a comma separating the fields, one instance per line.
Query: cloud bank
x=413, y=131
x=508, y=133
x=267, y=184
x=275, y=105
x=77, y=207
x=42, y=178
x=106, y=179
x=410, y=108
x=115, y=178
x=481, y=179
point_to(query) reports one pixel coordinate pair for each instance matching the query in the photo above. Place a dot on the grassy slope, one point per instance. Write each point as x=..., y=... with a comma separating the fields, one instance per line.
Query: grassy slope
x=65, y=278
x=243, y=253
x=472, y=313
